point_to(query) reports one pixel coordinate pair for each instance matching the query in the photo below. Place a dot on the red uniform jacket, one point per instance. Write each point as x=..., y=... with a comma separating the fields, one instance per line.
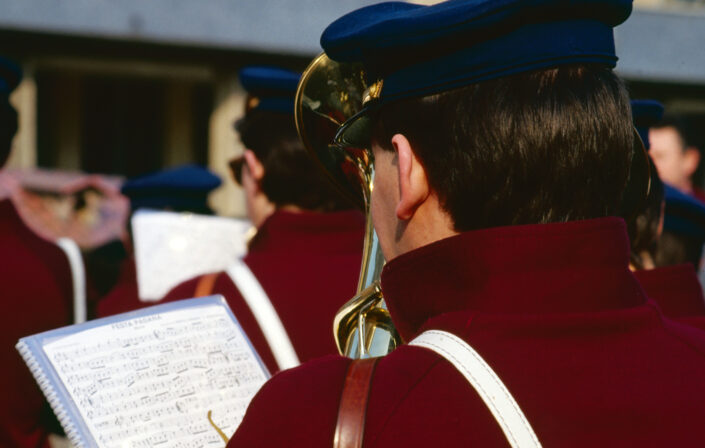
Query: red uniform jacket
x=37, y=295
x=308, y=264
x=553, y=309
x=124, y=296
x=677, y=290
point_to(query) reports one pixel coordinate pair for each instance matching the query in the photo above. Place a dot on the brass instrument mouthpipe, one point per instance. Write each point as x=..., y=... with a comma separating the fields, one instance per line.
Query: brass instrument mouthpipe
x=329, y=94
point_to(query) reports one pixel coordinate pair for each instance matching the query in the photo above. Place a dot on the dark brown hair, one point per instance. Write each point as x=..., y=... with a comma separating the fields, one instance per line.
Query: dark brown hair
x=291, y=177
x=545, y=146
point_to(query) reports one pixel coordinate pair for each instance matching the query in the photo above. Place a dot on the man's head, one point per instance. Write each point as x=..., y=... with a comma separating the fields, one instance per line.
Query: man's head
x=508, y=151
x=275, y=169
x=674, y=153
x=510, y=127
x=10, y=75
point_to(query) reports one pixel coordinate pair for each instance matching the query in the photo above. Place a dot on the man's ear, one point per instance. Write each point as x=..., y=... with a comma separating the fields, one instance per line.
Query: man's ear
x=691, y=160
x=254, y=166
x=413, y=183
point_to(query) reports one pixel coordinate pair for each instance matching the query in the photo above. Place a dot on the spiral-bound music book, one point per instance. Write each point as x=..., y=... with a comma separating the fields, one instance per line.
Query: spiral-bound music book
x=149, y=377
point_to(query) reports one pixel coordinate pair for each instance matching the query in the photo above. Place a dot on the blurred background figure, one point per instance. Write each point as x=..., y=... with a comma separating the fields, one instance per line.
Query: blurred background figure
x=87, y=208
x=37, y=293
x=181, y=189
x=672, y=283
x=674, y=151
x=308, y=247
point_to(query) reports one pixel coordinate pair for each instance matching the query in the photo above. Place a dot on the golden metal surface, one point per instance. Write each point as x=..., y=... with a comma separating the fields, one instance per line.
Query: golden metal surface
x=220, y=432
x=329, y=94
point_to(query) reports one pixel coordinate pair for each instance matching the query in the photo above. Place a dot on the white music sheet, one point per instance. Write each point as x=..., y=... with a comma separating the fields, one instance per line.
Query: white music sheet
x=171, y=248
x=150, y=381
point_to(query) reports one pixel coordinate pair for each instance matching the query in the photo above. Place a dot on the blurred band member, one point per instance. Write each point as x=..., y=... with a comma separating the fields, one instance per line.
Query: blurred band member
x=305, y=257
x=674, y=283
x=675, y=286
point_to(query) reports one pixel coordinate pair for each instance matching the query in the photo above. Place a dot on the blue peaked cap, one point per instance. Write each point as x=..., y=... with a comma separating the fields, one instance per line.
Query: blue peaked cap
x=684, y=214
x=419, y=50
x=182, y=188
x=273, y=87
x=10, y=75
x=645, y=114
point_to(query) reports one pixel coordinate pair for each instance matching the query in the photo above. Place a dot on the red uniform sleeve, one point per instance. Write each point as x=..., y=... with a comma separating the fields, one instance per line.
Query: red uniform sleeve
x=296, y=408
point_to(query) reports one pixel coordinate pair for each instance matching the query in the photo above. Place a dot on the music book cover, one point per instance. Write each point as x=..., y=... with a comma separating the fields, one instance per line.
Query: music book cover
x=171, y=248
x=165, y=376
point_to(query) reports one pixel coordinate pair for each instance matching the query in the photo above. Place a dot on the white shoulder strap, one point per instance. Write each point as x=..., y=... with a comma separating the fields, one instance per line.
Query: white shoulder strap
x=265, y=314
x=78, y=278
x=485, y=381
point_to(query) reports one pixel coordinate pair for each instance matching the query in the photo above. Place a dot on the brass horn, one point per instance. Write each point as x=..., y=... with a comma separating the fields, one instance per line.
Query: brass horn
x=329, y=94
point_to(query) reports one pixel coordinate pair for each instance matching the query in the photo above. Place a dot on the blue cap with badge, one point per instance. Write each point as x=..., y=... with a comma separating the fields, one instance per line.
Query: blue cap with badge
x=645, y=114
x=419, y=50
x=411, y=50
x=183, y=188
x=270, y=88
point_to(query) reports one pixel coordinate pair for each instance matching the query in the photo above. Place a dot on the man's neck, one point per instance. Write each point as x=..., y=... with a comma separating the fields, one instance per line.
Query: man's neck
x=429, y=224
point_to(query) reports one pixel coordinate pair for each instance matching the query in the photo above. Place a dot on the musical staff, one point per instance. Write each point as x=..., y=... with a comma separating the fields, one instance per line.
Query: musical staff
x=150, y=382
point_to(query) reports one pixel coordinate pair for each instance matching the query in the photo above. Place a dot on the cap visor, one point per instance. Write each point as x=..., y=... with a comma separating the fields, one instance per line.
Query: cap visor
x=356, y=132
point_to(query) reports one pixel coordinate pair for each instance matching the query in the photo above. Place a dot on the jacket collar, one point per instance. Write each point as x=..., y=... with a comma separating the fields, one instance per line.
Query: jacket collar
x=573, y=267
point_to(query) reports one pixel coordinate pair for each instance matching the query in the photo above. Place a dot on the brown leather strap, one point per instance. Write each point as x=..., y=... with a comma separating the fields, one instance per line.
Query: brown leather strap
x=205, y=285
x=350, y=429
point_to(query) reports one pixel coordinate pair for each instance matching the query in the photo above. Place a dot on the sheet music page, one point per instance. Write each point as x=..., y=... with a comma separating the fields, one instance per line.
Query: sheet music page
x=150, y=381
x=171, y=248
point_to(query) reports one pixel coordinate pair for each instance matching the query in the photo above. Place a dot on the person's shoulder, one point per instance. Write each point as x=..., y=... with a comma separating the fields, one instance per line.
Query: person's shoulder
x=321, y=374
x=301, y=403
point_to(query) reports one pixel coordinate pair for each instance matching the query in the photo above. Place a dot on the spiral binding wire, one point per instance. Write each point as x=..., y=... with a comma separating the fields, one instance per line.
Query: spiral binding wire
x=51, y=394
